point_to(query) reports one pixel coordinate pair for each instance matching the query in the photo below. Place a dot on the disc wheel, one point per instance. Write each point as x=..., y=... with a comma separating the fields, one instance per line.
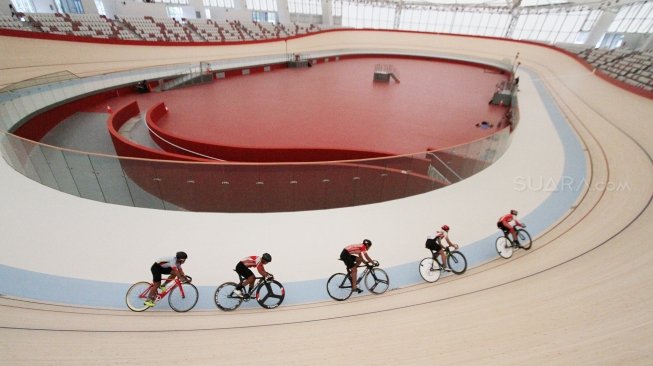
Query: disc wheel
x=339, y=287
x=504, y=247
x=377, y=281
x=429, y=269
x=271, y=294
x=224, y=297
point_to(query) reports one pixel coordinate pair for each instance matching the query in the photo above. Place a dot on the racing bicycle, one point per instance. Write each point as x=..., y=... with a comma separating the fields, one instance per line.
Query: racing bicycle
x=269, y=293
x=182, y=296
x=430, y=268
x=376, y=281
x=506, y=246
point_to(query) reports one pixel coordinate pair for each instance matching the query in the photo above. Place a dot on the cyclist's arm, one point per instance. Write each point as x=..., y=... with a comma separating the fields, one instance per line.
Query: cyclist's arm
x=366, y=257
x=449, y=243
x=179, y=273
x=262, y=270
x=517, y=223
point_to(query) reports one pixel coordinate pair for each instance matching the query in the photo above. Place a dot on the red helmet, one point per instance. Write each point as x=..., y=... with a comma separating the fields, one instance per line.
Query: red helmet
x=445, y=227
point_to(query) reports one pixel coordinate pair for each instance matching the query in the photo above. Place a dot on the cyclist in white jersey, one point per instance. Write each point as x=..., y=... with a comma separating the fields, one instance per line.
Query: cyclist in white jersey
x=170, y=266
x=440, y=246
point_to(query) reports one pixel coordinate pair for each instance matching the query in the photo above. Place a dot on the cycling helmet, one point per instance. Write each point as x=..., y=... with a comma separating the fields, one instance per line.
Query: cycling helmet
x=513, y=212
x=445, y=227
x=367, y=243
x=181, y=255
x=267, y=257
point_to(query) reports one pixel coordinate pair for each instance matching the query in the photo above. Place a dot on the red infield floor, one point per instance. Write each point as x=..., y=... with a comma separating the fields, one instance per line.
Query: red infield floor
x=336, y=105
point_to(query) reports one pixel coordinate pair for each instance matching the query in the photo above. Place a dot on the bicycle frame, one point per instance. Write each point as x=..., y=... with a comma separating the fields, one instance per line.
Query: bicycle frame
x=436, y=255
x=183, y=295
x=161, y=295
x=362, y=275
x=508, y=235
x=258, y=282
x=340, y=285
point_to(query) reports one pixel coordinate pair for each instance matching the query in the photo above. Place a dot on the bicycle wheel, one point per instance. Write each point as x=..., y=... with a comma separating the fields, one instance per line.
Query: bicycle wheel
x=339, y=286
x=270, y=295
x=377, y=281
x=457, y=262
x=225, y=298
x=136, y=296
x=429, y=269
x=504, y=247
x=183, y=298
x=524, y=239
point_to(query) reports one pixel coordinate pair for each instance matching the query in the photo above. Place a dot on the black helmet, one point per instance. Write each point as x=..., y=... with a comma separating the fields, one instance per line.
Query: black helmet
x=367, y=242
x=267, y=257
x=513, y=212
x=181, y=255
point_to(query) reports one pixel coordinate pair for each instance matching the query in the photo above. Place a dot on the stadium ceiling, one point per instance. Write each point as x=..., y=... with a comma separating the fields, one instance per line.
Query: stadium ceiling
x=513, y=3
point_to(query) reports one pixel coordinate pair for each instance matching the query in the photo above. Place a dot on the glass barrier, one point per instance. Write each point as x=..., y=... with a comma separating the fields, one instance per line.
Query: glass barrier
x=220, y=186
x=41, y=80
x=235, y=187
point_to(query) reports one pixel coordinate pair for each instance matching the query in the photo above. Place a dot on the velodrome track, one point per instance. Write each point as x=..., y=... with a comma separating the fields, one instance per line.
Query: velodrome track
x=582, y=295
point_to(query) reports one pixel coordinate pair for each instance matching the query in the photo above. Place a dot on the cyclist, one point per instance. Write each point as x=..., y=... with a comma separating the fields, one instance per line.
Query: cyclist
x=167, y=265
x=439, y=247
x=505, y=224
x=353, y=255
x=243, y=269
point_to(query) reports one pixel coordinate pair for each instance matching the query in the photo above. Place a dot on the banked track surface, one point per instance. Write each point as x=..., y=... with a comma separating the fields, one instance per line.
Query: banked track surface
x=582, y=295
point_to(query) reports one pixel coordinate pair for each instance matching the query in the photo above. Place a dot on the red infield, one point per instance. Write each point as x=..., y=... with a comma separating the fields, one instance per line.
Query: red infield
x=336, y=105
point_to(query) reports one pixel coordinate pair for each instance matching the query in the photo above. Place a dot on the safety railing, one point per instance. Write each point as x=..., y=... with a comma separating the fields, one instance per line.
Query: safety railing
x=254, y=187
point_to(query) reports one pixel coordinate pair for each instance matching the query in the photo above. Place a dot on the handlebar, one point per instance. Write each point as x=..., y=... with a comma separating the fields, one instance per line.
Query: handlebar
x=372, y=265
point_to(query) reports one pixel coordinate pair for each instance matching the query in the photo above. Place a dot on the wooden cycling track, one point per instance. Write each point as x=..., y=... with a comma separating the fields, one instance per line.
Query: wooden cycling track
x=582, y=295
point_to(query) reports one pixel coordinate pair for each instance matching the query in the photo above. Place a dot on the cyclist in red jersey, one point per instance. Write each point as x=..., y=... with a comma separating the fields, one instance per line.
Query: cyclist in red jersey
x=505, y=224
x=243, y=269
x=353, y=255
x=439, y=247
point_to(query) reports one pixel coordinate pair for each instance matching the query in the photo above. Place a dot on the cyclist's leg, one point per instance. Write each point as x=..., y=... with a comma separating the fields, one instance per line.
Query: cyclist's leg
x=245, y=274
x=507, y=230
x=171, y=277
x=156, y=270
x=443, y=258
x=515, y=237
x=351, y=262
x=434, y=254
x=249, y=282
x=354, y=273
